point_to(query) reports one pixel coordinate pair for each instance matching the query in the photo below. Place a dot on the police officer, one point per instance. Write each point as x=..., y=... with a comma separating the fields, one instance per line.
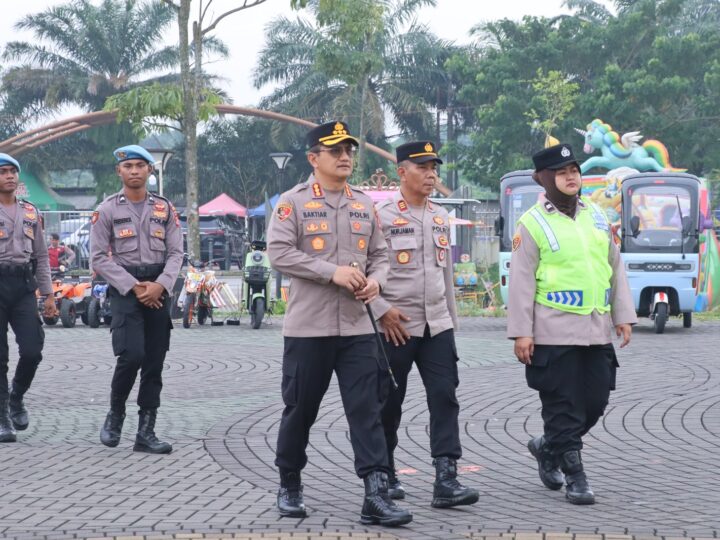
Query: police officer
x=568, y=292
x=142, y=231
x=23, y=268
x=418, y=315
x=318, y=230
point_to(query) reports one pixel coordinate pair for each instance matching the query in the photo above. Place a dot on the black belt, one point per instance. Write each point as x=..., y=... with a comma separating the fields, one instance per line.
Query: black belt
x=145, y=271
x=19, y=270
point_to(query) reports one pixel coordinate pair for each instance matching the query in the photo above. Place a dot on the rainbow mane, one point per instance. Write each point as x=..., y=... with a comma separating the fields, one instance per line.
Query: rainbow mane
x=610, y=138
x=658, y=150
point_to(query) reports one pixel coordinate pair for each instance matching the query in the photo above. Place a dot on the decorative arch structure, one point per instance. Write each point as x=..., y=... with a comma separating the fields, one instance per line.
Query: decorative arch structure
x=34, y=138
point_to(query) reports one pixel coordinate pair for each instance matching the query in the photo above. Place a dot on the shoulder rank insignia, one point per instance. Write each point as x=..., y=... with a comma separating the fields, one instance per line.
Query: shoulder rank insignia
x=348, y=192
x=402, y=206
x=317, y=191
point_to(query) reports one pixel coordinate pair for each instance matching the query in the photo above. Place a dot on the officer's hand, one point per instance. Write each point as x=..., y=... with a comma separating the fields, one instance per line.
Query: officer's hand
x=350, y=278
x=394, y=329
x=624, y=330
x=369, y=292
x=151, y=294
x=49, y=307
x=524, y=349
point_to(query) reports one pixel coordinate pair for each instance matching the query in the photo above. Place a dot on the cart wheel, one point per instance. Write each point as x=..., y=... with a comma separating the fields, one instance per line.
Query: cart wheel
x=661, y=316
x=687, y=319
x=93, y=313
x=68, y=315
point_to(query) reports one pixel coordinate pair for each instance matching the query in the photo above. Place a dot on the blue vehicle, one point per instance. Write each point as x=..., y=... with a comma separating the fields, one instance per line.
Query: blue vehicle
x=518, y=193
x=660, y=243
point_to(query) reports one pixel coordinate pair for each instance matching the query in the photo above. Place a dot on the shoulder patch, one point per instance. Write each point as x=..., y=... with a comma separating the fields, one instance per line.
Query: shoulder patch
x=283, y=211
x=95, y=217
x=516, y=242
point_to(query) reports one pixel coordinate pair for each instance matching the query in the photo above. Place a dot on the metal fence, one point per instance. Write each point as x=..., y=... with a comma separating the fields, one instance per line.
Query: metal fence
x=73, y=228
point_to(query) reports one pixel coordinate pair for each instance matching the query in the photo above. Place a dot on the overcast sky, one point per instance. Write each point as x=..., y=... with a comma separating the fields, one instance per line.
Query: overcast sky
x=244, y=32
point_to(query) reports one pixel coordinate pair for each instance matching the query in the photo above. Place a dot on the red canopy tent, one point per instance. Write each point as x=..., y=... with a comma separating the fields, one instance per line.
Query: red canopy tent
x=221, y=205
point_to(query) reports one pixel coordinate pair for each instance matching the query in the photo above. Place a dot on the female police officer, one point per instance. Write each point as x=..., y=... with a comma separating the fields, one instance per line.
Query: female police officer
x=567, y=290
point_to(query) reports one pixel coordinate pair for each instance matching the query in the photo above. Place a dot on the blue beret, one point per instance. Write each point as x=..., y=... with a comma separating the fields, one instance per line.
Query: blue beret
x=133, y=151
x=9, y=160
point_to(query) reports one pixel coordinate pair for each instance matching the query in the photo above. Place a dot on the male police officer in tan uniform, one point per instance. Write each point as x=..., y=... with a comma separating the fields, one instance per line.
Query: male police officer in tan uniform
x=319, y=230
x=568, y=292
x=142, y=231
x=417, y=312
x=23, y=268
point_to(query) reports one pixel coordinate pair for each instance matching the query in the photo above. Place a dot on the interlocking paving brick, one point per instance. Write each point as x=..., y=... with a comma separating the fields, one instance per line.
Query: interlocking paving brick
x=646, y=459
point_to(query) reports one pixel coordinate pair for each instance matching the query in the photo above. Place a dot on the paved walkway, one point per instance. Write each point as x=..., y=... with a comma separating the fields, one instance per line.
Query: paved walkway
x=652, y=461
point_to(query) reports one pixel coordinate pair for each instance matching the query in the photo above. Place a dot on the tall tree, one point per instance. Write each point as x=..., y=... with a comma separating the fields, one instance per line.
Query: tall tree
x=354, y=61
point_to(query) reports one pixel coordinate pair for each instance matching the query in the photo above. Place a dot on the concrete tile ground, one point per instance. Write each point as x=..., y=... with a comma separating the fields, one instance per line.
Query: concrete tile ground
x=652, y=461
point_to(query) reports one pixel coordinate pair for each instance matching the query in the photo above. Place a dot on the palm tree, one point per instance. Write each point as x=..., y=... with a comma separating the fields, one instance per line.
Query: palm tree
x=84, y=53
x=322, y=70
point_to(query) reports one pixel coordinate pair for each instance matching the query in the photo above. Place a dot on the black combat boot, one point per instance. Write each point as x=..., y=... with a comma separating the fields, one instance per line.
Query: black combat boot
x=578, y=490
x=112, y=428
x=145, y=440
x=448, y=491
x=395, y=488
x=290, y=501
x=548, y=465
x=7, y=432
x=378, y=508
x=18, y=412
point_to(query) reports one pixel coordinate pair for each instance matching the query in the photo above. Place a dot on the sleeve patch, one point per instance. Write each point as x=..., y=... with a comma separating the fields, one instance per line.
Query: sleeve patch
x=95, y=217
x=283, y=211
x=516, y=242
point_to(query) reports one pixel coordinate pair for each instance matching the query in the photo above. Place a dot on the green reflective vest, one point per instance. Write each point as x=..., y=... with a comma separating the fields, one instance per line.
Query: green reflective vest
x=573, y=273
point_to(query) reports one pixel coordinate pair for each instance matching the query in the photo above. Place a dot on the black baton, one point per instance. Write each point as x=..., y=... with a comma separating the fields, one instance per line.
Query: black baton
x=379, y=339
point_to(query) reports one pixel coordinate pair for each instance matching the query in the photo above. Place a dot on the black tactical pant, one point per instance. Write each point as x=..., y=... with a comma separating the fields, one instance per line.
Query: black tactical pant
x=308, y=365
x=574, y=384
x=19, y=308
x=140, y=340
x=436, y=360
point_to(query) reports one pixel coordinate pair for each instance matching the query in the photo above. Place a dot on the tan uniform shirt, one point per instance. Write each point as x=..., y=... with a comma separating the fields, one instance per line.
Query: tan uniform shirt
x=154, y=237
x=420, y=282
x=22, y=239
x=308, y=238
x=550, y=326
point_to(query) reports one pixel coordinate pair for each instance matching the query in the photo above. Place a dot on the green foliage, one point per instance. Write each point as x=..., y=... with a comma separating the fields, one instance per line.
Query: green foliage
x=145, y=107
x=554, y=97
x=653, y=68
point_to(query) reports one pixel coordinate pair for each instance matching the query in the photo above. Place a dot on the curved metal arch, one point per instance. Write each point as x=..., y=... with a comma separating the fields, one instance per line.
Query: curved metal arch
x=34, y=138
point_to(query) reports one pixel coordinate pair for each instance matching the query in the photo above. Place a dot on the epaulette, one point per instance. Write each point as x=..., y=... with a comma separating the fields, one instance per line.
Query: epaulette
x=26, y=202
x=382, y=204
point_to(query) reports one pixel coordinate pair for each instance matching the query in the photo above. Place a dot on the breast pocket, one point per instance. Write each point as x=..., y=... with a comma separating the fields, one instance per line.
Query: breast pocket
x=360, y=236
x=126, y=239
x=442, y=247
x=404, y=252
x=157, y=237
x=317, y=236
x=4, y=239
x=28, y=238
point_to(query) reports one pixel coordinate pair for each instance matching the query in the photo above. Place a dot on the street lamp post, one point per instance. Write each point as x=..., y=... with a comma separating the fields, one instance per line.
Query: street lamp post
x=161, y=157
x=281, y=159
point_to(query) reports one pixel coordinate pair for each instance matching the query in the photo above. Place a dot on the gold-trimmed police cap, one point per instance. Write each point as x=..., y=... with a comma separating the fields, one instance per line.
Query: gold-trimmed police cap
x=330, y=134
x=554, y=157
x=417, y=152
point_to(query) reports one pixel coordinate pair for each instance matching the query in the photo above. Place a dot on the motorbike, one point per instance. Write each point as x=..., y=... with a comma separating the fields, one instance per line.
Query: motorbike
x=256, y=274
x=98, y=310
x=195, y=297
x=71, y=299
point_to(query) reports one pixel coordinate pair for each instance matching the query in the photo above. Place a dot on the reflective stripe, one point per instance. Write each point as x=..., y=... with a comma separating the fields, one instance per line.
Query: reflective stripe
x=599, y=217
x=549, y=234
x=566, y=298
